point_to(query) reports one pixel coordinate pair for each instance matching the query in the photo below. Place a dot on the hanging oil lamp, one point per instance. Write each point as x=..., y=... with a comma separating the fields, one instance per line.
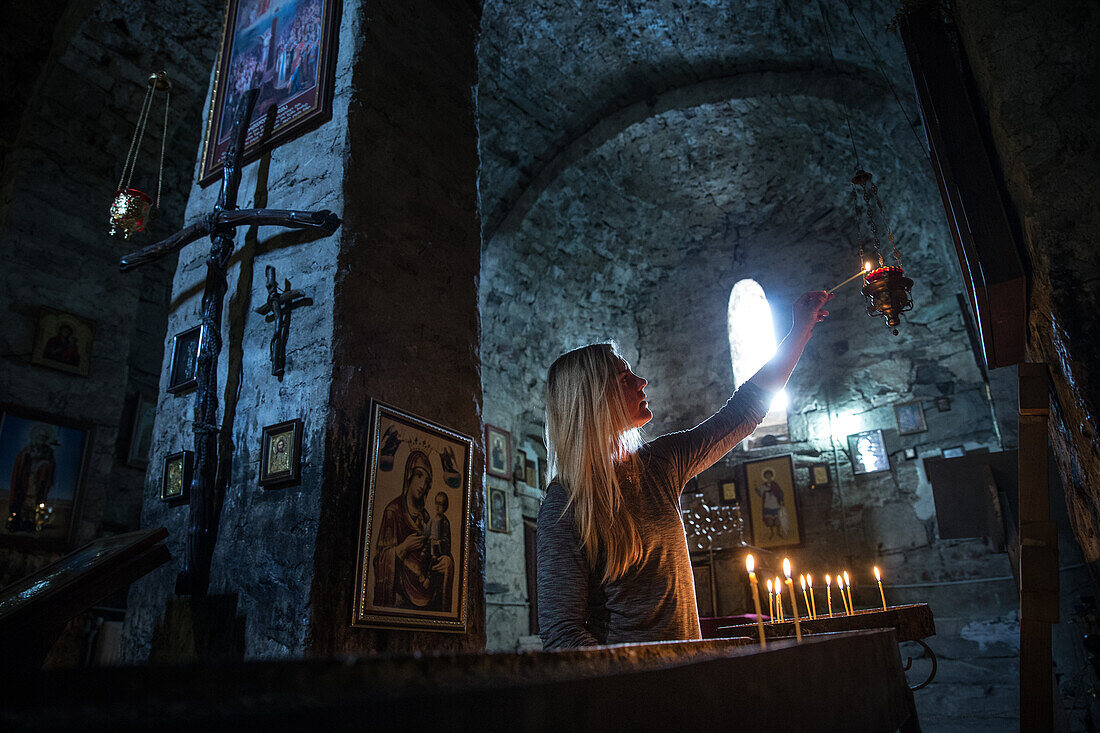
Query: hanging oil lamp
x=886, y=288
x=131, y=208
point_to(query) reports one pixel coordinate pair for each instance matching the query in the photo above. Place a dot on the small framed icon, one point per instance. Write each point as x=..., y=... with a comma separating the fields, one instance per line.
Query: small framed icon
x=183, y=372
x=281, y=454
x=178, y=473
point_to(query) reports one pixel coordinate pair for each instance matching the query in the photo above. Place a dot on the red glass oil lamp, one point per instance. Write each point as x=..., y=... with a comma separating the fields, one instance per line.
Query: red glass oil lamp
x=887, y=289
x=131, y=208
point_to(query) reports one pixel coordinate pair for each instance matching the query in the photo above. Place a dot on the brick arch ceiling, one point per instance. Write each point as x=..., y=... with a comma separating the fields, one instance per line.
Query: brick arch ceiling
x=559, y=77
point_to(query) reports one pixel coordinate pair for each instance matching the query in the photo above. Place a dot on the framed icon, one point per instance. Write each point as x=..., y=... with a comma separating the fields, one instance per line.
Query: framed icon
x=775, y=514
x=43, y=462
x=179, y=472
x=727, y=492
x=281, y=454
x=498, y=509
x=910, y=417
x=819, y=476
x=63, y=341
x=414, y=526
x=141, y=432
x=183, y=370
x=498, y=452
x=287, y=50
x=868, y=452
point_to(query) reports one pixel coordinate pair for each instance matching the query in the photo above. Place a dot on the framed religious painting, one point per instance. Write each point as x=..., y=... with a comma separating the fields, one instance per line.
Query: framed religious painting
x=498, y=510
x=819, y=476
x=183, y=369
x=498, y=452
x=727, y=492
x=868, y=452
x=281, y=454
x=176, y=478
x=286, y=49
x=775, y=516
x=141, y=432
x=910, y=417
x=63, y=341
x=414, y=525
x=43, y=461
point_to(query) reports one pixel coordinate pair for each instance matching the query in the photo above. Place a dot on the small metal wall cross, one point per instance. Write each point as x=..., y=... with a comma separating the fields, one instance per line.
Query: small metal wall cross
x=221, y=225
x=278, y=306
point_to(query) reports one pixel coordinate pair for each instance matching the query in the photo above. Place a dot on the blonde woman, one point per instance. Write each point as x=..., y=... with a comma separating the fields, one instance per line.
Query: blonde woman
x=613, y=562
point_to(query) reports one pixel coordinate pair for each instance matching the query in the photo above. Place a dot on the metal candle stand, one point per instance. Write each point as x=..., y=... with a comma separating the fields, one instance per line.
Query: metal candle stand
x=911, y=622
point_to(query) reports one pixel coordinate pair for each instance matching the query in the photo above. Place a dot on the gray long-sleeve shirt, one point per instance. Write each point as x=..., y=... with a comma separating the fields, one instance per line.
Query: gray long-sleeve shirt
x=655, y=599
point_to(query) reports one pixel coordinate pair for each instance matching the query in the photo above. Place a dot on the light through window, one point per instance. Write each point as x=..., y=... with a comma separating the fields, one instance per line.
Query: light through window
x=752, y=343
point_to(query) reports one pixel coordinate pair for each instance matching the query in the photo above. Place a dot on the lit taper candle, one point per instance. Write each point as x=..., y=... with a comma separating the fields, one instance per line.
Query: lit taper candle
x=829, y=593
x=771, y=600
x=794, y=601
x=882, y=595
x=848, y=585
x=750, y=565
x=813, y=601
x=779, y=599
x=805, y=598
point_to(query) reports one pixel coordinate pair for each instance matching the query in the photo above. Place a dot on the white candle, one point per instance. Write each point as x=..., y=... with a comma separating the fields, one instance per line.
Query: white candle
x=882, y=595
x=750, y=564
x=794, y=601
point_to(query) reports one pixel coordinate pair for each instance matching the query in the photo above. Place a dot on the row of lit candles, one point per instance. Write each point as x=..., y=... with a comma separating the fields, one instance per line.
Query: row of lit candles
x=775, y=595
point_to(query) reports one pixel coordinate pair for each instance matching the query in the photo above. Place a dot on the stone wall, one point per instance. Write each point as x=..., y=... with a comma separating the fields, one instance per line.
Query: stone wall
x=392, y=317
x=638, y=218
x=1035, y=69
x=79, y=82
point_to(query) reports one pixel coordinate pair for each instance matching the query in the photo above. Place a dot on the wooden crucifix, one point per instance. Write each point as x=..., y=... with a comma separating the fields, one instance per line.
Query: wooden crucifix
x=278, y=306
x=221, y=225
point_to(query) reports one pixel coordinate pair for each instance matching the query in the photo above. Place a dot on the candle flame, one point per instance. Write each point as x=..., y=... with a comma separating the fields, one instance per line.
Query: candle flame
x=828, y=580
x=777, y=586
x=769, y=585
x=846, y=581
x=867, y=266
x=878, y=575
x=750, y=563
x=787, y=567
x=802, y=581
x=809, y=580
x=839, y=582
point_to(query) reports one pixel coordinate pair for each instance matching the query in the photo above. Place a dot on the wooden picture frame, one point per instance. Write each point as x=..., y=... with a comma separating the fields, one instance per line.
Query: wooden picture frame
x=819, y=476
x=281, y=454
x=497, y=510
x=910, y=418
x=417, y=483
x=519, y=467
x=63, y=341
x=775, y=513
x=286, y=48
x=498, y=452
x=867, y=451
x=141, y=432
x=531, y=472
x=729, y=492
x=183, y=368
x=43, y=467
x=177, y=477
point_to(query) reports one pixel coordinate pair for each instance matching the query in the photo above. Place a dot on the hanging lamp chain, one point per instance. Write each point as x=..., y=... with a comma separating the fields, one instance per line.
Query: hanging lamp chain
x=135, y=141
x=163, y=144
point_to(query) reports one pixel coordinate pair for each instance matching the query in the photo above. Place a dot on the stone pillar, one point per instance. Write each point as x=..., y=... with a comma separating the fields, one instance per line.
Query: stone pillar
x=393, y=317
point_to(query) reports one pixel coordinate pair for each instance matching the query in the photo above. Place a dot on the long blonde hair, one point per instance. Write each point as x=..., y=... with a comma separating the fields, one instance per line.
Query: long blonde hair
x=588, y=433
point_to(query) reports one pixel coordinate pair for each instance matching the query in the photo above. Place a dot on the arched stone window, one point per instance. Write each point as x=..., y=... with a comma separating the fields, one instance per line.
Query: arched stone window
x=752, y=343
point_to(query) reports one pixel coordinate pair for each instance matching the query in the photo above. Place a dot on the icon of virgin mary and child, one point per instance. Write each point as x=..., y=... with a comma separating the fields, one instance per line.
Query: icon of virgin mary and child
x=413, y=566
